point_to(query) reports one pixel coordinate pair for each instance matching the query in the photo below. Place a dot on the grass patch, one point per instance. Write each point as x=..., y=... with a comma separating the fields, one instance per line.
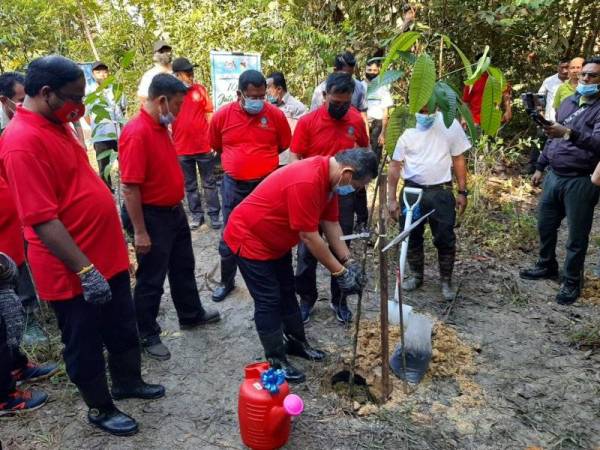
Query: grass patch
x=586, y=336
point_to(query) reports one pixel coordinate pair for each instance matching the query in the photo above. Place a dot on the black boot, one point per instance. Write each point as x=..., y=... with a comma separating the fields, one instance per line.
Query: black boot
x=126, y=374
x=540, y=271
x=102, y=411
x=275, y=354
x=295, y=340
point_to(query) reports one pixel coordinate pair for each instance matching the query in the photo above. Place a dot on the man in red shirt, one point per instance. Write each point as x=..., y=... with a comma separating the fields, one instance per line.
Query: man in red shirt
x=190, y=134
x=289, y=206
x=153, y=190
x=77, y=250
x=249, y=133
x=333, y=127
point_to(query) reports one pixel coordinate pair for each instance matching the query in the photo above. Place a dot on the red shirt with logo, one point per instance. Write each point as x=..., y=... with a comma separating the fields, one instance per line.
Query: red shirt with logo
x=473, y=96
x=318, y=133
x=147, y=158
x=250, y=144
x=296, y=198
x=190, y=129
x=50, y=177
x=11, y=231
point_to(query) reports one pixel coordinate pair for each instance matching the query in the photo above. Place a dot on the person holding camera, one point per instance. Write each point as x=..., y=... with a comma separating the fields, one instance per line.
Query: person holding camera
x=571, y=154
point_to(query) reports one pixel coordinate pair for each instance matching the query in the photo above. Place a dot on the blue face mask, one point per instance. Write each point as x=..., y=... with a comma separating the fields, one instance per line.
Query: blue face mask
x=272, y=99
x=587, y=90
x=424, y=121
x=166, y=119
x=253, y=106
x=347, y=189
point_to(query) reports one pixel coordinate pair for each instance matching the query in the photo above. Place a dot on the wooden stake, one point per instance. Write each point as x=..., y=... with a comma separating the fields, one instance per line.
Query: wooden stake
x=383, y=294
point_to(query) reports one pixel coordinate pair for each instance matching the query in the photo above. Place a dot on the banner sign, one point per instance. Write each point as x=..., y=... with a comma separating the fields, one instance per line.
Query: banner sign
x=225, y=70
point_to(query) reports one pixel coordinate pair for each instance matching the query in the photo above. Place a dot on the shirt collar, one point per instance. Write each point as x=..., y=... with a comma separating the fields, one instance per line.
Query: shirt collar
x=286, y=98
x=147, y=118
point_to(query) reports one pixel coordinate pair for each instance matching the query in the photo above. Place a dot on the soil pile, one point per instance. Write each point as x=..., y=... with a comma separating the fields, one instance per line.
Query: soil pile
x=590, y=295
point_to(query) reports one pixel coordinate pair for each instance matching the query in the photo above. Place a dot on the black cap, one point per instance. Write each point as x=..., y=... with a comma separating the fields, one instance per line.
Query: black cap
x=158, y=45
x=98, y=64
x=182, y=65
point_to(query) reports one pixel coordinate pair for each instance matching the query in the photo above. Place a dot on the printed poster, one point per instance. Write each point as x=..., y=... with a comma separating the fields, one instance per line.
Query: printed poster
x=225, y=70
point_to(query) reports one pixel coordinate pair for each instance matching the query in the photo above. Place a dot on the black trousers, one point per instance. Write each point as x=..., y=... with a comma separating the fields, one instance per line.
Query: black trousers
x=204, y=164
x=171, y=255
x=361, y=206
x=86, y=329
x=26, y=291
x=441, y=223
x=233, y=192
x=100, y=147
x=574, y=198
x=306, y=268
x=271, y=285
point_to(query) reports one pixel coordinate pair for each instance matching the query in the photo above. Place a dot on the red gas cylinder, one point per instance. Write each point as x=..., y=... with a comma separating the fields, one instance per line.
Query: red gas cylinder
x=264, y=421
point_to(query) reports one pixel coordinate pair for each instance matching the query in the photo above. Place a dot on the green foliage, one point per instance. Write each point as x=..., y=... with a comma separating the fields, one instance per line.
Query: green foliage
x=389, y=77
x=400, y=119
x=422, y=83
x=482, y=65
x=447, y=101
x=402, y=43
x=491, y=115
x=466, y=115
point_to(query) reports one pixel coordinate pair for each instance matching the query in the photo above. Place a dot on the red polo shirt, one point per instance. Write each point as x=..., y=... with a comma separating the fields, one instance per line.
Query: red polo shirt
x=318, y=133
x=473, y=96
x=250, y=143
x=190, y=129
x=147, y=158
x=295, y=198
x=50, y=177
x=11, y=232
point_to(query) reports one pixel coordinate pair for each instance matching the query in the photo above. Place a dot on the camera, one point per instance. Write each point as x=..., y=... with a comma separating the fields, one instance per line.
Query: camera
x=534, y=103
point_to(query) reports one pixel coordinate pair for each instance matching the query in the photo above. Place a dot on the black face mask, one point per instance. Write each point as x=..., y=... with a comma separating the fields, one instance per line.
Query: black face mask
x=370, y=76
x=338, y=111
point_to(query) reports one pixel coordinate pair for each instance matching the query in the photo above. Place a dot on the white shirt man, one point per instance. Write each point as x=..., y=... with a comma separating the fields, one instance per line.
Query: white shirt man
x=429, y=153
x=550, y=86
x=162, y=64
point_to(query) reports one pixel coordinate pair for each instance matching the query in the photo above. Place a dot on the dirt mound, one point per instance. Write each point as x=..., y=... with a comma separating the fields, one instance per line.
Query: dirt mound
x=451, y=358
x=590, y=295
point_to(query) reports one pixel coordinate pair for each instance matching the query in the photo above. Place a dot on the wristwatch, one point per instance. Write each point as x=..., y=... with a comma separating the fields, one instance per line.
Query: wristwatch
x=567, y=134
x=464, y=193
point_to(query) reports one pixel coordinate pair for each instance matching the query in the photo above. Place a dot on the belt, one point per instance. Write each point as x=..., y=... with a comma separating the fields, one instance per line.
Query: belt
x=245, y=182
x=162, y=208
x=426, y=187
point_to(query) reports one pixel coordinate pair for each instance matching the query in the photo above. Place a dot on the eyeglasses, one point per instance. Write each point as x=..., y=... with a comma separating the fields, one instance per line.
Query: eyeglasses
x=582, y=75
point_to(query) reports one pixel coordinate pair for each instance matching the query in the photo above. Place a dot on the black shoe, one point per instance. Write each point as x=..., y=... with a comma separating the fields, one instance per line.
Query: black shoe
x=112, y=420
x=158, y=351
x=102, y=411
x=292, y=375
x=222, y=291
x=275, y=353
x=540, y=272
x=342, y=312
x=568, y=293
x=209, y=316
x=302, y=349
x=196, y=222
x=216, y=223
x=126, y=373
x=361, y=227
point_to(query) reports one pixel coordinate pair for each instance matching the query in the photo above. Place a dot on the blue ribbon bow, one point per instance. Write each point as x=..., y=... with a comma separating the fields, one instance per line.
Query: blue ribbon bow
x=272, y=379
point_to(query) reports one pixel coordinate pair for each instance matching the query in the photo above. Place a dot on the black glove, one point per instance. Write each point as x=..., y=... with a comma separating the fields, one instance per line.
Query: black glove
x=95, y=287
x=8, y=272
x=352, y=280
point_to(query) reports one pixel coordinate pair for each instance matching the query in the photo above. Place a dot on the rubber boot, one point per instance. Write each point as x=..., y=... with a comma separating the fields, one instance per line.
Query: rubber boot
x=446, y=259
x=126, y=374
x=102, y=411
x=295, y=339
x=416, y=263
x=275, y=354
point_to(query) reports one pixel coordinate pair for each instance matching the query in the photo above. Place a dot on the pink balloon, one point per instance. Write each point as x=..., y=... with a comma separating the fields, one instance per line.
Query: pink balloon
x=293, y=405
